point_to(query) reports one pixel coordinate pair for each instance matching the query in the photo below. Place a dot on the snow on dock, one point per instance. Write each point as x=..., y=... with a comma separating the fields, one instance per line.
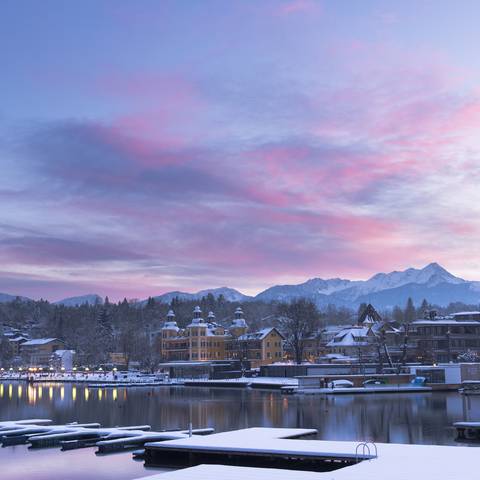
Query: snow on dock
x=264, y=447
x=393, y=461
x=244, y=382
x=467, y=430
x=41, y=434
x=365, y=390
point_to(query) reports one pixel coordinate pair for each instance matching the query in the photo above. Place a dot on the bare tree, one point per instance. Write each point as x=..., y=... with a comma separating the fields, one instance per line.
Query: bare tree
x=297, y=321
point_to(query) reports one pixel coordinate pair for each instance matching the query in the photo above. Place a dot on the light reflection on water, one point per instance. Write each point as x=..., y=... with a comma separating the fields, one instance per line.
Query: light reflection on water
x=404, y=418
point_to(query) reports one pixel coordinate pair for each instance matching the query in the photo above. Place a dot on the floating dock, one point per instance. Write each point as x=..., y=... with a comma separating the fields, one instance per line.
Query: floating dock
x=388, y=461
x=467, y=431
x=361, y=390
x=259, y=447
x=42, y=433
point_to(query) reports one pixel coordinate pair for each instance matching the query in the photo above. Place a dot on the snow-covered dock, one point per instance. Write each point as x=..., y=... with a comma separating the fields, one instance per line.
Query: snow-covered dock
x=41, y=434
x=467, y=430
x=244, y=382
x=264, y=447
x=394, y=461
x=364, y=390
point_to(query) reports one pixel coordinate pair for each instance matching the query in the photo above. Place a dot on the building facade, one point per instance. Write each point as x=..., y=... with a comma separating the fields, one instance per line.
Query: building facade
x=205, y=340
x=38, y=352
x=450, y=338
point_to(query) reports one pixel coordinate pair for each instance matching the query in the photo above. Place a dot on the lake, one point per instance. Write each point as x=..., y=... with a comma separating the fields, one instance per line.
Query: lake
x=423, y=418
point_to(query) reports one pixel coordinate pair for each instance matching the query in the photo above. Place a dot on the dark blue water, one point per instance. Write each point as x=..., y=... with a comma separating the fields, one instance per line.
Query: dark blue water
x=423, y=418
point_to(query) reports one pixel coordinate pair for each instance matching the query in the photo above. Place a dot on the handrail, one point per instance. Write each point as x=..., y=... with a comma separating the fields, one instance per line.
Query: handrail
x=366, y=450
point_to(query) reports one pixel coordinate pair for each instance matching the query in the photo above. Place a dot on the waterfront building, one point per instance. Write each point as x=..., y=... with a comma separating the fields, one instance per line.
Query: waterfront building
x=38, y=352
x=205, y=340
x=448, y=338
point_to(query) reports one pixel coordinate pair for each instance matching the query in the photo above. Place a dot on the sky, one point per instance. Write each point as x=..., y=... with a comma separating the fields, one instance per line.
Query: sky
x=149, y=146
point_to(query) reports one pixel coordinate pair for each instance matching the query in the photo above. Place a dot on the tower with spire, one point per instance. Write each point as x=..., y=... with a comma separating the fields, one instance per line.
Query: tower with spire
x=239, y=326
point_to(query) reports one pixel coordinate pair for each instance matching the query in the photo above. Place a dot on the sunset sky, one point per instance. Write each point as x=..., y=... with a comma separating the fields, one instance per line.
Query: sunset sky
x=148, y=146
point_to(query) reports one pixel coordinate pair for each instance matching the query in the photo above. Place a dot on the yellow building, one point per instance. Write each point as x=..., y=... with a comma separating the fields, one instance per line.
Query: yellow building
x=204, y=340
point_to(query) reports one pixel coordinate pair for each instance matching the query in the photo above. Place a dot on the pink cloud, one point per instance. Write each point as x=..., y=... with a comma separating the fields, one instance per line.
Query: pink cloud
x=299, y=6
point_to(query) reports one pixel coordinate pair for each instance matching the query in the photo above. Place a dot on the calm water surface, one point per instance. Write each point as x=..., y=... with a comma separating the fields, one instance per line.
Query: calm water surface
x=404, y=418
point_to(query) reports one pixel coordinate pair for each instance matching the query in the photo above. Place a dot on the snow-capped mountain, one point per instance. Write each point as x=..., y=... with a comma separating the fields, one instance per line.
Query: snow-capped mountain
x=384, y=290
x=315, y=287
x=230, y=294
x=90, y=299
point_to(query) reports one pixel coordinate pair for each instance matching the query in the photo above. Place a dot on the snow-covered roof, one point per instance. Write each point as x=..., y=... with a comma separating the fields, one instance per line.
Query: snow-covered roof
x=170, y=326
x=465, y=313
x=238, y=322
x=445, y=321
x=60, y=353
x=197, y=322
x=18, y=339
x=260, y=335
x=350, y=337
x=41, y=341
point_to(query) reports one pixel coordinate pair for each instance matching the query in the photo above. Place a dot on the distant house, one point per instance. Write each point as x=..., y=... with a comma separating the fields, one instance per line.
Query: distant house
x=262, y=347
x=38, y=352
x=367, y=340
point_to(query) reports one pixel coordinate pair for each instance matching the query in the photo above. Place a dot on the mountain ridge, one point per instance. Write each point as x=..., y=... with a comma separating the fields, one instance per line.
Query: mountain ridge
x=384, y=290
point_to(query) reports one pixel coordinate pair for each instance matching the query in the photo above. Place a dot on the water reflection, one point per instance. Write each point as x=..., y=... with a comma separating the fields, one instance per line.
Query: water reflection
x=412, y=418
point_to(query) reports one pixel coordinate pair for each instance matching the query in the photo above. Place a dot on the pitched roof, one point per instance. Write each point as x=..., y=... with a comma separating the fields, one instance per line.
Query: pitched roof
x=260, y=335
x=41, y=341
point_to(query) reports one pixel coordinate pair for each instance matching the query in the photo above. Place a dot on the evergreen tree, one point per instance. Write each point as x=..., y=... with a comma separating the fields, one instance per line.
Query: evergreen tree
x=410, y=312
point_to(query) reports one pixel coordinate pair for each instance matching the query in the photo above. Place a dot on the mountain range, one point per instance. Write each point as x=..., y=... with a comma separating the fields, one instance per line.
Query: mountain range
x=383, y=290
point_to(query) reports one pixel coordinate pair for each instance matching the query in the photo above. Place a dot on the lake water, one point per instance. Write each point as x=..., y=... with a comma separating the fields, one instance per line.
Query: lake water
x=424, y=418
